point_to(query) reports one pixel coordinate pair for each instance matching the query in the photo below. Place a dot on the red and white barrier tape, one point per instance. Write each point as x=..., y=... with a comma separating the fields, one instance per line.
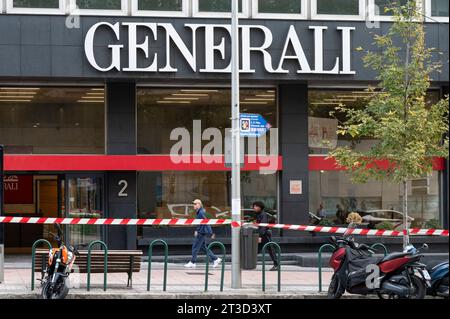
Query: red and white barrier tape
x=354, y=231
x=188, y=222
x=112, y=221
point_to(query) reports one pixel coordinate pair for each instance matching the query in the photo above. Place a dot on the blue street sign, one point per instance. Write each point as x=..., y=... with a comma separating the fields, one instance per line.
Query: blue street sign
x=253, y=125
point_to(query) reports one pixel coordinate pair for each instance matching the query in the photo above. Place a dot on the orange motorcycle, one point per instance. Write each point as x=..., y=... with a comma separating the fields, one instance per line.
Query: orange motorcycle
x=59, y=267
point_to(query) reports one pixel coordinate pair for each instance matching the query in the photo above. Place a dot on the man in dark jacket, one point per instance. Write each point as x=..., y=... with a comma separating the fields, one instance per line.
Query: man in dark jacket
x=265, y=235
x=201, y=233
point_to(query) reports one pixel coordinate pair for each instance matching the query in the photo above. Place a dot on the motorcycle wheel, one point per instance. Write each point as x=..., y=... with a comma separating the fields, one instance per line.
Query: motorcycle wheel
x=49, y=293
x=334, y=290
x=419, y=290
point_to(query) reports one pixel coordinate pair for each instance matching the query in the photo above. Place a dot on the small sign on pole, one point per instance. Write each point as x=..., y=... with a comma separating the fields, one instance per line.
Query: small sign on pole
x=253, y=125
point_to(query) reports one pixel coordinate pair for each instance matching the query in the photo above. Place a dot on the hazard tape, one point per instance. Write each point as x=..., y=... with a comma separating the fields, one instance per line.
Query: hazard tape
x=195, y=222
x=352, y=231
x=112, y=221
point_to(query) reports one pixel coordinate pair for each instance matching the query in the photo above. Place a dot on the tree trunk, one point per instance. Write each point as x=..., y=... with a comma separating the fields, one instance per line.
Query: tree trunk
x=405, y=215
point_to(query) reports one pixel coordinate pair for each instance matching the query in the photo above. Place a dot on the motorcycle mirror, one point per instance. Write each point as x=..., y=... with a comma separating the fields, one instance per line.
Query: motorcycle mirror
x=425, y=246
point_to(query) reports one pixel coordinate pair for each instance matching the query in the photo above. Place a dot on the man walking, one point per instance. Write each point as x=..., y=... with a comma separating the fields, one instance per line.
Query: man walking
x=202, y=232
x=265, y=234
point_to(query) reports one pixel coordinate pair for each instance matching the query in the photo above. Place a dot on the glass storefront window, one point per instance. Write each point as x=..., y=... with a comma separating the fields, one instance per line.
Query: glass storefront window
x=381, y=201
x=47, y=4
x=46, y=120
x=342, y=7
x=322, y=125
x=160, y=5
x=84, y=201
x=280, y=6
x=170, y=194
x=99, y=4
x=439, y=8
x=216, y=5
x=161, y=111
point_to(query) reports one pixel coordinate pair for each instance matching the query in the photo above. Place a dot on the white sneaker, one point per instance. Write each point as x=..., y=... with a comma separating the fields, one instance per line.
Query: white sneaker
x=217, y=262
x=189, y=265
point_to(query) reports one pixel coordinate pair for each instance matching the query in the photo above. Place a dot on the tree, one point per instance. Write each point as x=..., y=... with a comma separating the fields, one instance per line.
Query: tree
x=407, y=132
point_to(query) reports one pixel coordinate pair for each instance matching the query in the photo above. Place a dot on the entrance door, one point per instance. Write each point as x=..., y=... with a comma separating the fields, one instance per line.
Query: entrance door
x=47, y=204
x=84, y=199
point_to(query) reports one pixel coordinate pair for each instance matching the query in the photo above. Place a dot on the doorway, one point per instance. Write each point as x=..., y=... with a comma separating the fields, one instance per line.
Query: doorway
x=29, y=196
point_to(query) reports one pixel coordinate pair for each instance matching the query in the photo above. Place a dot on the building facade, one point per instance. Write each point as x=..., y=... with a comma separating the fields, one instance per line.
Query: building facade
x=120, y=109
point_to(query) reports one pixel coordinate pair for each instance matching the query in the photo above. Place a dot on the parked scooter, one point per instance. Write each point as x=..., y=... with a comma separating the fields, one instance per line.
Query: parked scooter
x=397, y=275
x=439, y=279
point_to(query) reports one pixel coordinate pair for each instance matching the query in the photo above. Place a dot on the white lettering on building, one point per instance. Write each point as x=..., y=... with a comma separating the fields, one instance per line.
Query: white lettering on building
x=215, y=49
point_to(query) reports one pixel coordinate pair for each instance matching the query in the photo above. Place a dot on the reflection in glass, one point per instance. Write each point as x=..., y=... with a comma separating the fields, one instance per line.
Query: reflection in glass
x=340, y=197
x=161, y=5
x=51, y=120
x=84, y=201
x=170, y=194
x=100, y=4
x=216, y=5
x=279, y=6
x=46, y=4
x=341, y=7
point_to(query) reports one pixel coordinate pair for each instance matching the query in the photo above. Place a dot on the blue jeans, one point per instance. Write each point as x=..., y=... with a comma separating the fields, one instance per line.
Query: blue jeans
x=200, y=244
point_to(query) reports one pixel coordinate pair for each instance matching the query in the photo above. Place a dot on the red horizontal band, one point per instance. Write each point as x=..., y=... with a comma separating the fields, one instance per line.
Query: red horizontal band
x=62, y=163
x=322, y=163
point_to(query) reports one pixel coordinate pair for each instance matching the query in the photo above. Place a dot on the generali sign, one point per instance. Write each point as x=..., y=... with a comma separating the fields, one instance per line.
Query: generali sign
x=214, y=48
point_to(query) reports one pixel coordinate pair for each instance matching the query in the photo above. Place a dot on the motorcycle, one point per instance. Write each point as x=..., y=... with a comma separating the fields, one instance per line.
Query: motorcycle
x=59, y=267
x=357, y=271
x=439, y=279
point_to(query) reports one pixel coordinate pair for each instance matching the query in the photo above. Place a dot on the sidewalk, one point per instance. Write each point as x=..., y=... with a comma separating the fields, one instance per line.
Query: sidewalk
x=296, y=283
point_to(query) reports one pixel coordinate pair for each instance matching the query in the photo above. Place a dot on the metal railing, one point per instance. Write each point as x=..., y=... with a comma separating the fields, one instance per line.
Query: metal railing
x=105, y=264
x=33, y=256
x=222, y=247
x=150, y=255
x=278, y=248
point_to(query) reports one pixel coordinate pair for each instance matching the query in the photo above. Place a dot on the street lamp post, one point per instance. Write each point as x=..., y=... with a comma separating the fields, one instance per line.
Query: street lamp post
x=236, y=281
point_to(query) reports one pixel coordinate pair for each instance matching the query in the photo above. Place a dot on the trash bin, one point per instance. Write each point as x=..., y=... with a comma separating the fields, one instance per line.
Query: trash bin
x=249, y=246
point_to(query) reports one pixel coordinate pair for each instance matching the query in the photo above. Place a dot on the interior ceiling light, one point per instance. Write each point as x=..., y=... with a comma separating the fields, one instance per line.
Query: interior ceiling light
x=13, y=88
x=190, y=94
x=15, y=100
x=200, y=91
x=182, y=98
x=17, y=93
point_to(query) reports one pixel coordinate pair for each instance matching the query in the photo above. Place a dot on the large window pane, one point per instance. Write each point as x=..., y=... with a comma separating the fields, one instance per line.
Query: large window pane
x=386, y=4
x=48, y=4
x=322, y=125
x=379, y=200
x=216, y=5
x=161, y=111
x=52, y=120
x=170, y=194
x=341, y=7
x=279, y=6
x=99, y=4
x=161, y=5
x=439, y=8
x=85, y=201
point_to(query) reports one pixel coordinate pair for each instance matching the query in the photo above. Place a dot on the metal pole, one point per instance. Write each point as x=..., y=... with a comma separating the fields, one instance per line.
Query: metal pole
x=236, y=282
